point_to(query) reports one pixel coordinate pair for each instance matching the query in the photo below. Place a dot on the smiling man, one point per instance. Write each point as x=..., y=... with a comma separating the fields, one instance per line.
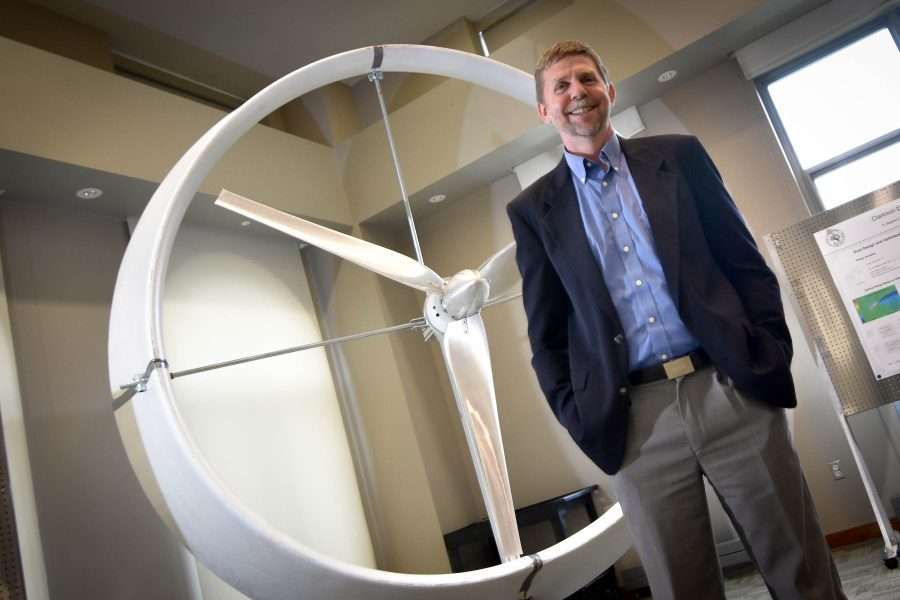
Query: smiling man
x=659, y=340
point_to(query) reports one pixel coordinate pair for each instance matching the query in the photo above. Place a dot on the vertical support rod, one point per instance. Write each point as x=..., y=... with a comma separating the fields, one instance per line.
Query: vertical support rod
x=376, y=77
x=484, y=47
x=884, y=523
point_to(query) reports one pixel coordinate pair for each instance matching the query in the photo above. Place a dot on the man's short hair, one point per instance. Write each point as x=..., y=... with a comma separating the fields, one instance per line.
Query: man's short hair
x=559, y=51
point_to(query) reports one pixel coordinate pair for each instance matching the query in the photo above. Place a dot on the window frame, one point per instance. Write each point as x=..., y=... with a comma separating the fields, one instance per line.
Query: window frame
x=806, y=177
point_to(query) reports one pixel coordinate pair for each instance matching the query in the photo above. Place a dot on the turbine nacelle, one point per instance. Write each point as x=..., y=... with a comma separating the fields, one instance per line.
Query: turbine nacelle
x=466, y=293
x=461, y=296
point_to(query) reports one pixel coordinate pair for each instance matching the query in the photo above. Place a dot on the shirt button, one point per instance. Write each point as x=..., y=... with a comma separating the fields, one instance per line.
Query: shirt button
x=615, y=215
x=619, y=338
x=652, y=319
x=639, y=282
x=664, y=356
x=623, y=391
x=616, y=169
x=626, y=248
x=605, y=183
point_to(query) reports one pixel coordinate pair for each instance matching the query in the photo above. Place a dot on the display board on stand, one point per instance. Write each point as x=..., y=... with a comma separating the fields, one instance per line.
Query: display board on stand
x=843, y=267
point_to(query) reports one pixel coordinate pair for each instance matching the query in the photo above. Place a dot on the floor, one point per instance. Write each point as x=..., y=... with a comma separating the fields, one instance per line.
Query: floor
x=862, y=572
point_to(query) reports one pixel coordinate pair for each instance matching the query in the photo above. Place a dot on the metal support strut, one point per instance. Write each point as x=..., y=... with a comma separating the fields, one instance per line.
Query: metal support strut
x=140, y=380
x=891, y=538
x=375, y=76
x=412, y=324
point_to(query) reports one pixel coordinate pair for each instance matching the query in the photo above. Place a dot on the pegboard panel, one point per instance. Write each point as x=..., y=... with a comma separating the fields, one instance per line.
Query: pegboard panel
x=823, y=311
x=12, y=586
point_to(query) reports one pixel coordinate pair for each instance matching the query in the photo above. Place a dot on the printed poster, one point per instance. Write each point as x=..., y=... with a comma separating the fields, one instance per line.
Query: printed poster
x=863, y=257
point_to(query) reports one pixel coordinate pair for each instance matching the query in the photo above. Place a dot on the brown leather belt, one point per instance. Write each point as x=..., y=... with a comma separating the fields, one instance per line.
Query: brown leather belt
x=683, y=365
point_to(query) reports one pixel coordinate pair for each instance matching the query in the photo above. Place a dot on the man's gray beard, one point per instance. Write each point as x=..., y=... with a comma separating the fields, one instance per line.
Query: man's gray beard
x=586, y=131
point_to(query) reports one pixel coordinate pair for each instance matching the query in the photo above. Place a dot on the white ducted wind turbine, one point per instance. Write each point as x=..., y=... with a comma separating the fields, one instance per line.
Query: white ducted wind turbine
x=234, y=542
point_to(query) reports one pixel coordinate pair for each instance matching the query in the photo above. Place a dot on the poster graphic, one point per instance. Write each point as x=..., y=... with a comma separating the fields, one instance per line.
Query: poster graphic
x=863, y=257
x=878, y=304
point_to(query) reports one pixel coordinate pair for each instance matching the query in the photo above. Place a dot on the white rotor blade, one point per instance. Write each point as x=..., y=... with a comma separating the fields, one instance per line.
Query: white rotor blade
x=392, y=265
x=501, y=272
x=468, y=361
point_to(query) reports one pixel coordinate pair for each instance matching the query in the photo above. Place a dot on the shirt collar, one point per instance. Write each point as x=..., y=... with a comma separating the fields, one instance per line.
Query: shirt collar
x=611, y=153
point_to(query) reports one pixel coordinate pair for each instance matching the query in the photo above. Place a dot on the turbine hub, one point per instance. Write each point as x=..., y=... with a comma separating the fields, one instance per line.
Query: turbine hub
x=435, y=315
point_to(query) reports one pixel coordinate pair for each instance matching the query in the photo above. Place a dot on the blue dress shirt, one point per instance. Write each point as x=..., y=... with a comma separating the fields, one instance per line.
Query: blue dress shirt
x=619, y=235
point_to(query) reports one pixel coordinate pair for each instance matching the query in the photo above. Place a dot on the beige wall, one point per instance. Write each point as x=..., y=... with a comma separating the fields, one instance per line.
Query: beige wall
x=70, y=112
x=446, y=129
x=460, y=35
x=403, y=520
x=399, y=89
x=334, y=111
x=626, y=43
x=100, y=536
x=686, y=21
x=629, y=34
x=436, y=426
x=38, y=26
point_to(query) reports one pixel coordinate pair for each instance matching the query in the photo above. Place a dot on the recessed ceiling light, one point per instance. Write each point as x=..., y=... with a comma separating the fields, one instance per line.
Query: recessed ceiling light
x=667, y=76
x=437, y=198
x=245, y=223
x=89, y=193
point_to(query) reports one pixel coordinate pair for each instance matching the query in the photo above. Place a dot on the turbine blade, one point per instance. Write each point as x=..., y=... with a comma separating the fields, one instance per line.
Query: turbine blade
x=392, y=265
x=501, y=272
x=468, y=361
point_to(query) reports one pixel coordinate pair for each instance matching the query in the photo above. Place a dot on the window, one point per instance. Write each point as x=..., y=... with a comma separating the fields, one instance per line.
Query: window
x=836, y=111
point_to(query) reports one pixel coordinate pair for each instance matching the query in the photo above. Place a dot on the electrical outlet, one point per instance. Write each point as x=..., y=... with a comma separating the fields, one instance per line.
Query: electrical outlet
x=836, y=471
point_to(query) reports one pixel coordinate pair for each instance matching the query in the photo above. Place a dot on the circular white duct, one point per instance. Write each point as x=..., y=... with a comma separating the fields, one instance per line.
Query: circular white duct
x=234, y=543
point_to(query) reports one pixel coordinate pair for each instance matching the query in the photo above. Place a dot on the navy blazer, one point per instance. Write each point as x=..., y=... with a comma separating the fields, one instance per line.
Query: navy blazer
x=725, y=294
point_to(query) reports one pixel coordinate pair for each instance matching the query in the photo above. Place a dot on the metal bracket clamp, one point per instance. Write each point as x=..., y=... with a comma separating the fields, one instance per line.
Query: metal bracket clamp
x=536, y=564
x=377, y=58
x=138, y=384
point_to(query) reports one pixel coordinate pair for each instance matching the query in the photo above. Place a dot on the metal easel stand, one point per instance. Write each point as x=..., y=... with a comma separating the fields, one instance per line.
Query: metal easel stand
x=890, y=537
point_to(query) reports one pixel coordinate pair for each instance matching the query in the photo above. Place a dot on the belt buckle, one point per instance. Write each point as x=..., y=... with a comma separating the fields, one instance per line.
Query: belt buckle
x=678, y=367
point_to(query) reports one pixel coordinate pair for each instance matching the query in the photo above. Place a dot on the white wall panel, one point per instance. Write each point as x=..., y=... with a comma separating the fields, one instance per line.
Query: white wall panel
x=21, y=486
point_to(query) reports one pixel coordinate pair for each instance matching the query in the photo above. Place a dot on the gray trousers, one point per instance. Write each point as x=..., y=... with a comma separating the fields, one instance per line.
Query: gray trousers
x=699, y=425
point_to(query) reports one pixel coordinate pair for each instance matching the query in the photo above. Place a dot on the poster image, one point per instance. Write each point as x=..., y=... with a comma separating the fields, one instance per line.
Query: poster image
x=881, y=303
x=863, y=257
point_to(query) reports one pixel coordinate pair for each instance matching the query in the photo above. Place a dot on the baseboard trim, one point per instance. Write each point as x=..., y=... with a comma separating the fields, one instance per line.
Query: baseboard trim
x=855, y=535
